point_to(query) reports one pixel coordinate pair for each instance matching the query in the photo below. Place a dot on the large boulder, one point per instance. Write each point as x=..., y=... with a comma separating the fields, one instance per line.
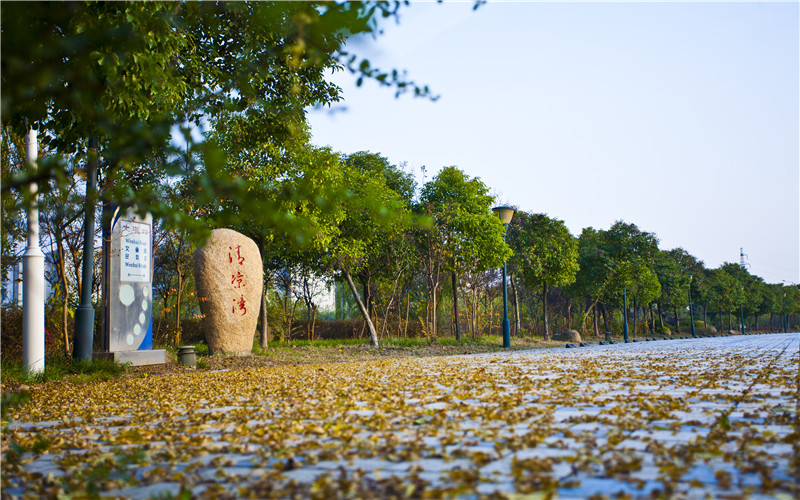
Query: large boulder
x=229, y=278
x=568, y=336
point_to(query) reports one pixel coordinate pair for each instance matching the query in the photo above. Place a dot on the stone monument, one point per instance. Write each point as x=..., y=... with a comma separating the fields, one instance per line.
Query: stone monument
x=229, y=279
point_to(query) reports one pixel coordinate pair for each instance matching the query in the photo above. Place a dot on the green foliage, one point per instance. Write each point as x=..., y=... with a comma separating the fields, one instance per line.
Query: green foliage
x=545, y=253
x=465, y=234
x=621, y=258
x=61, y=368
x=129, y=73
x=12, y=228
x=395, y=178
x=673, y=278
x=725, y=293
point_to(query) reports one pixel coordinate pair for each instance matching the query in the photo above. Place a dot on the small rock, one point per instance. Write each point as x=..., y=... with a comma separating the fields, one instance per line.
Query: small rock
x=568, y=336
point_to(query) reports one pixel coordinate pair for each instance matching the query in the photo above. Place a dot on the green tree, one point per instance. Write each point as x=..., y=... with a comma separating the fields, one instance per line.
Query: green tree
x=12, y=226
x=725, y=292
x=372, y=216
x=750, y=296
x=677, y=270
x=772, y=302
x=789, y=297
x=128, y=73
x=390, y=260
x=465, y=234
x=545, y=254
x=619, y=259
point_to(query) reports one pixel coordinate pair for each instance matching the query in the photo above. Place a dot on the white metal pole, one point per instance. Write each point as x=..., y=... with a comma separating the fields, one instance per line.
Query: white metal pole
x=33, y=276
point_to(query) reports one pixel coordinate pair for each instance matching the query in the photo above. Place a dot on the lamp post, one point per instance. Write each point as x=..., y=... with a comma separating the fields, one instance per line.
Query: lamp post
x=691, y=309
x=84, y=313
x=625, y=314
x=33, y=275
x=505, y=214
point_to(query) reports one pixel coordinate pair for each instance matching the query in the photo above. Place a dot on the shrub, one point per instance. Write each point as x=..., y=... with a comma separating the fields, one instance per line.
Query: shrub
x=11, y=333
x=164, y=331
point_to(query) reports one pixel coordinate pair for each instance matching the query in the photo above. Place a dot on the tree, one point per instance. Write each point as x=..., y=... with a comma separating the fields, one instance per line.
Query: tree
x=388, y=264
x=617, y=260
x=750, y=296
x=677, y=270
x=725, y=293
x=129, y=72
x=545, y=254
x=772, y=302
x=12, y=227
x=371, y=215
x=789, y=297
x=465, y=234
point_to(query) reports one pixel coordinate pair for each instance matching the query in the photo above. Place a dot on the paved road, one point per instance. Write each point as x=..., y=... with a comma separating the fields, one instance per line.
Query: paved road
x=716, y=417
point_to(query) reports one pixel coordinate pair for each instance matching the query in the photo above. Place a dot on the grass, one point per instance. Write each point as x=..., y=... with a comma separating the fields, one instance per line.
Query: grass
x=277, y=353
x=63, y=369
x=277, y=344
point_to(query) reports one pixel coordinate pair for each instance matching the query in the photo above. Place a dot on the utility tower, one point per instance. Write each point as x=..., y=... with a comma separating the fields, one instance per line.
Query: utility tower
x=742, y=256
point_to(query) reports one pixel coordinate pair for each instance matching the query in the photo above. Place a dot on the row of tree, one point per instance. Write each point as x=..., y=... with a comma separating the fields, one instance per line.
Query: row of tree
x=116, y=82
x=397, y=249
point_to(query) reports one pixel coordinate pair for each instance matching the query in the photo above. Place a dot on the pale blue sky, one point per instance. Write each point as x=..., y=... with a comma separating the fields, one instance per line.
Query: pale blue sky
x=679, y=117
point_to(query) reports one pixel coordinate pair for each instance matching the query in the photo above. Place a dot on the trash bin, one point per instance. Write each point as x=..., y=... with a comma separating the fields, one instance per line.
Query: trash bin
x=187, y=356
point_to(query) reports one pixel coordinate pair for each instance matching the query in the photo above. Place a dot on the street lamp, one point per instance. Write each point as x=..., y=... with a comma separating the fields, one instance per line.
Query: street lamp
x=691, y=310
x=505, y=214
x=84, y=313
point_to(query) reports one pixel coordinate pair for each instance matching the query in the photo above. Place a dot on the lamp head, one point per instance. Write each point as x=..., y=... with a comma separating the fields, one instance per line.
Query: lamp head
x=504, y=213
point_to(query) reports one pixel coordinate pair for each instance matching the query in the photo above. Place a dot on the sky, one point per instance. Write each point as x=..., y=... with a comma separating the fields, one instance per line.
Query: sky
x=682, y=118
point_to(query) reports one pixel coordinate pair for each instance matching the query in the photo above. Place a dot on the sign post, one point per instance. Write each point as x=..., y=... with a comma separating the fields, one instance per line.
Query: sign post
x=129, y=329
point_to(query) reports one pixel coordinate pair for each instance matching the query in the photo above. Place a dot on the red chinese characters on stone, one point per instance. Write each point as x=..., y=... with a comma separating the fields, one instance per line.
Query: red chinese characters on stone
x=238, y=257
x=239, y=304
x=237, y=280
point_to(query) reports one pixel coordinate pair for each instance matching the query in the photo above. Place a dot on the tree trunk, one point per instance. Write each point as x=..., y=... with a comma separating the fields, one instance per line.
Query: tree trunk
x=368, y=297
x=661, y=317
x=595, y=321
x=456, y=323
x=178, y=308
x=635, y=316
x=408, y=309
x=677, y=322
x=569, y=314
x=771, y=322
x=288, y=316
x=62, y=275
x=264, y=326
x=433, y=313
x=475, y=305
x=264, y=340
x=373, y=335
x=652, y=320
x=544, y=311
x=313, y=321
